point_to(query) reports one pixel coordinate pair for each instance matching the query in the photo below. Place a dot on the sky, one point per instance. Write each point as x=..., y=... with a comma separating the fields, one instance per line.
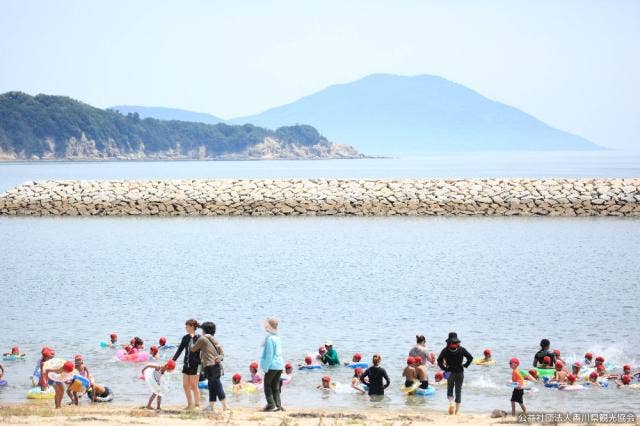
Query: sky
x=573, y=64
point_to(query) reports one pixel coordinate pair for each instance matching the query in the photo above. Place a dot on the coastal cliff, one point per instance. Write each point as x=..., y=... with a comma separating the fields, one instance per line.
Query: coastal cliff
x=326, y=197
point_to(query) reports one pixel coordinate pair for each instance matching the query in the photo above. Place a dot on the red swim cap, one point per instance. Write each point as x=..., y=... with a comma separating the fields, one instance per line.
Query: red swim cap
x=236, y=377
x=487, y=352
x=114, y=336
x=600, y=367
x=626, y=379
x=593, y=375
x=559, y=365
x=153, y=349
x=533, y=373
x=78, y=358
x=253, y=365
x=546, y=360
x=571, y=378
x=326, y=379
x=439, y=375
x=47, y=352
x=68, y=366
x=599, y=359
x=626, y=367
x=308, y=360
x=515, y=361
x=577, y=364
x=287, y=366
x=357, y=357
x=357, y=371
x=163, y=341
x=410, y=360
x=556, y=352
x=15, y=350
x=170, y=365
x=588, y=356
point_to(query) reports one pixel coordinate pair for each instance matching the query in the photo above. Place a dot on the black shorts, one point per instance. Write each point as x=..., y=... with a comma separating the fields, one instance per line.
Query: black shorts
x=517, y=394
x=190, y=370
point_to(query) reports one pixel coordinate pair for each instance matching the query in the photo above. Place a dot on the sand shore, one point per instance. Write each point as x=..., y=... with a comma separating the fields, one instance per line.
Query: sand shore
x=104, y=414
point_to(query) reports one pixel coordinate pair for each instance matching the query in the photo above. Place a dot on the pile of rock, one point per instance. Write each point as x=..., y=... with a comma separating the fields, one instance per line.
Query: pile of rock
x=320, y=197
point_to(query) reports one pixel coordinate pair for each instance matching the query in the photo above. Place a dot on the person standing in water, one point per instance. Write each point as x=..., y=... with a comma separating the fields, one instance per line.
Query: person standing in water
x=450, y=361
x=272, y=364
x=538, y=359
x=191, y=364
x=374, y=376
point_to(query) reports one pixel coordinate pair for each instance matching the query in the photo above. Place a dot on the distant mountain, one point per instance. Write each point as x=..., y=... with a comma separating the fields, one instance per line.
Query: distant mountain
x=162, y=113
x=394, y=115
x=46, y=127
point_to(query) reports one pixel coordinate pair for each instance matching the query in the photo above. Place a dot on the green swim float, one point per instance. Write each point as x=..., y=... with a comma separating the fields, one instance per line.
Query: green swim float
x=546, y=372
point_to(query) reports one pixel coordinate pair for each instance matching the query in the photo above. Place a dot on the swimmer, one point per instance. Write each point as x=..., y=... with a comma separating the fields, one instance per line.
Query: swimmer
x=137, y=346
x=560, y=375
x=588, y=359
x=15, y=351
x=409, y=374
x=625, y=380
x=308, y=363
x=326, y=384
x=626, y=369
x=532, y=376
x=238, y=385
x=487, y=356
x=518, y=392
x=169, y=366
x=354, y=360
x=600, y=361
x=256, y=378
x=575, y=369
x=556, y=352
x=321, y=351
x=544, y=351
x=58, y=387
x=570, y=383
x=421, y=372
x=162, y=343
x=153, y=352
x=355, y=381
x=113, y=340
x=601, y=370
x=330, y=357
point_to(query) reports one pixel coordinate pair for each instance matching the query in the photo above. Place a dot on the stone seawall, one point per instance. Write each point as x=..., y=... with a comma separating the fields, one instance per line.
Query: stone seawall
x=321, y=197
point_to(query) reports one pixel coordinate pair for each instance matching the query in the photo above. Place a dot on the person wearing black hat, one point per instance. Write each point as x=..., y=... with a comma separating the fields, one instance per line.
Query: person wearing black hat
x=545, y=344
x=451, y=361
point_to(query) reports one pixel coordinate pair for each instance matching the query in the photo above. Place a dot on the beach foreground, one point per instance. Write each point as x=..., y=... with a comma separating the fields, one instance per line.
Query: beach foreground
x=36, y=415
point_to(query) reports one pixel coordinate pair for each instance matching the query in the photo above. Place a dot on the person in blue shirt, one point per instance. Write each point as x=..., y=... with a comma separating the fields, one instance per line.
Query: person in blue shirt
x=272, y=364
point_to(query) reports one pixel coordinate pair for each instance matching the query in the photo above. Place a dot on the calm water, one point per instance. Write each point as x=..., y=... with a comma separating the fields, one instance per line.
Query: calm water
x=458, y=165
x=369, y=284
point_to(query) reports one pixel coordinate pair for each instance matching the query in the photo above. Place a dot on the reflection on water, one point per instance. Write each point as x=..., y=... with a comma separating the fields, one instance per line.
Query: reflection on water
x=368, y=284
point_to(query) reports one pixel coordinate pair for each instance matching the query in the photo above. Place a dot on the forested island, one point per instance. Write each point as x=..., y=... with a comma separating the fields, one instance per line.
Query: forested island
x=45, y=127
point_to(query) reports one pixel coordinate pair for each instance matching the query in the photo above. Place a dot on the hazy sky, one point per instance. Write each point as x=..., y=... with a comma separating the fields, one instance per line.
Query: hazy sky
x=573, y=64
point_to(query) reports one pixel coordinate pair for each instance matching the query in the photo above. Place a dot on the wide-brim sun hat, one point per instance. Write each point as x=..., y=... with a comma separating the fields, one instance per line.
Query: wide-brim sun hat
x=270, y=325
x=453, y=338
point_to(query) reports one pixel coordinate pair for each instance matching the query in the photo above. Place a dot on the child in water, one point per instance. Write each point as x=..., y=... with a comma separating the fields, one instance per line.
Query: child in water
x=355, y=381
x=153, y=352
x=15, y=351
x=285, y=378
x=47, y=354
x=487, y=356
x=518, y=391
x=532, y=376
x=561, y=374
x=556, y=352
x=158, y=375
x=113, y=340
x=326, y=384
x=575, y=369
x=421, y=372
x=546, y=362
x=238, y=385
x=409, y=374
x=439, y=379
x=588, y=359
x=625, y=380
x=626, y=369
x=354, y=360
x=256, y=378
x=308, y=363
x=570, y=384
x=162, y=343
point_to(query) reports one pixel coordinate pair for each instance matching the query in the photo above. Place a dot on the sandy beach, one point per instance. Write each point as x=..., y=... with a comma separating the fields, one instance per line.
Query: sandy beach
x=33, y=414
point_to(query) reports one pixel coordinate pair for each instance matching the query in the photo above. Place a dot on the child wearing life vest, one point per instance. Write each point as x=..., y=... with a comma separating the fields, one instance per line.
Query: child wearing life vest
x=518, y=391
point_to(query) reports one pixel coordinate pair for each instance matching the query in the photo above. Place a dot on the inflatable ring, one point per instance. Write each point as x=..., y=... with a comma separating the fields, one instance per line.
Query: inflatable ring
x=546, y=372
x=153, y=378
x=13, y=357
x=410, y=389
x=203, y=384
x=247, y=388
x=37, y=393
x=107, y=398
x=426, y=392
x=310, y=367
x=355, y=365
x=62, y=377
x=53, y=364
x=122, y=355
x=481, y=361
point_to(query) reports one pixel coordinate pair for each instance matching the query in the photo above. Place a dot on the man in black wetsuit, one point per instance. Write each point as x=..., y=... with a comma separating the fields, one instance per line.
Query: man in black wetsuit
x=544, y=351
x=451, y=361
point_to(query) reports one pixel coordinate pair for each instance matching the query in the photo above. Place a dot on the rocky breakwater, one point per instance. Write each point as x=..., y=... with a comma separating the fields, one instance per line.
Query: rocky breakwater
x=321, y=197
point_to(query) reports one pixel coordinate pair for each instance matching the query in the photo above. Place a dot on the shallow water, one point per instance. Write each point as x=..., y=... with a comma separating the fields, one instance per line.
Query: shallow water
x=574, y=164
x=369, y=284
